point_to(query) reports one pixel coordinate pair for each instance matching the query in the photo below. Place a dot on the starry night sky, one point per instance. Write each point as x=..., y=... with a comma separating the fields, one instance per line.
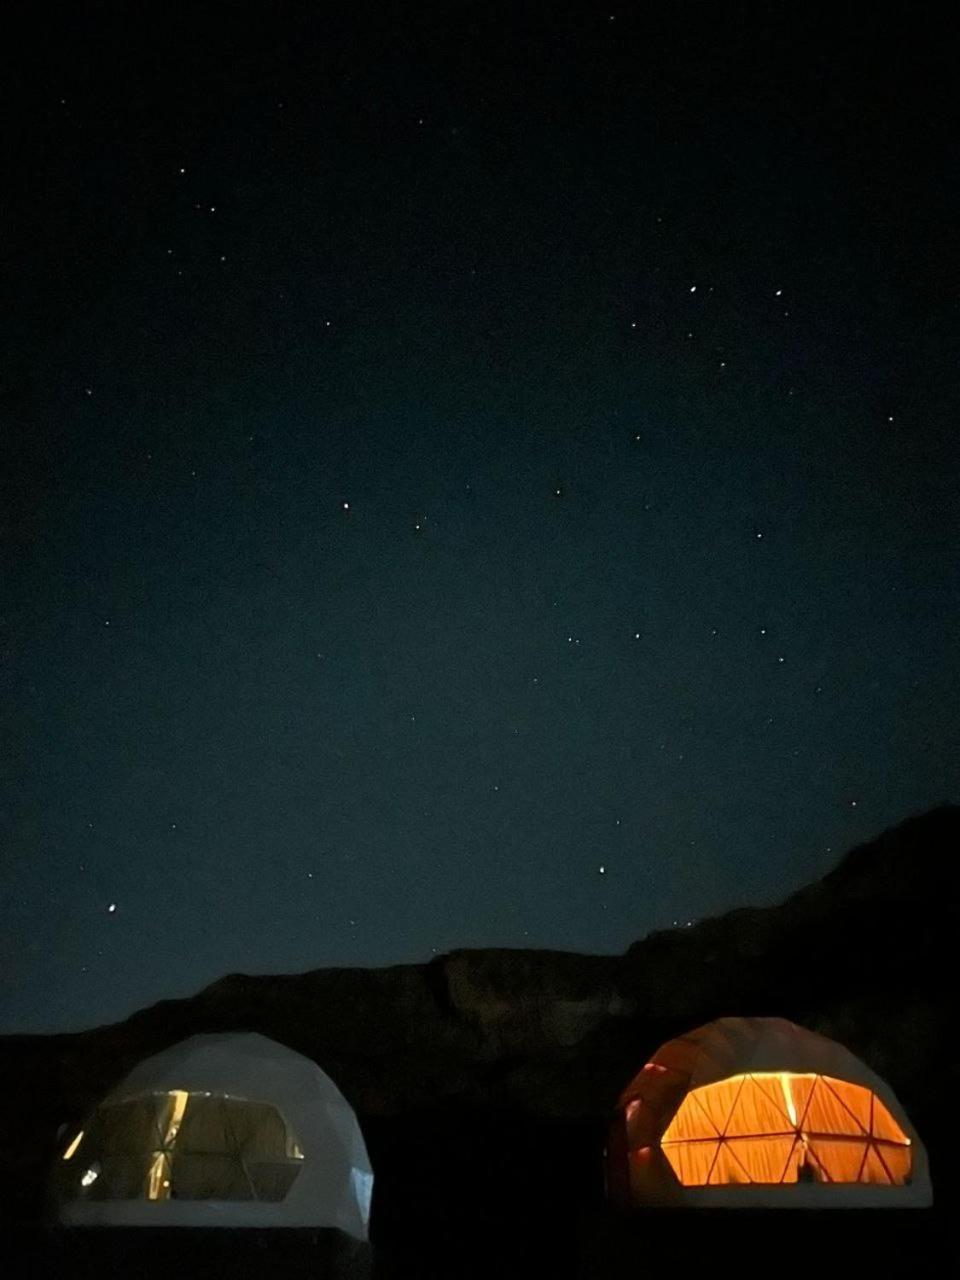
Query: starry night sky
x=482, y=476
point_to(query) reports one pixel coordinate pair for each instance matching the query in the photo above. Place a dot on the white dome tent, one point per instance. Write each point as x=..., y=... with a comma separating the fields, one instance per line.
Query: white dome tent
x=229, y=1130
x=759, y=1112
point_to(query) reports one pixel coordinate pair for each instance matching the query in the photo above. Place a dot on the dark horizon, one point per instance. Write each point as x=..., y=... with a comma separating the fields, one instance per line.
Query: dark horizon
x=897, y=831
x=886, y=856
x=474, y=479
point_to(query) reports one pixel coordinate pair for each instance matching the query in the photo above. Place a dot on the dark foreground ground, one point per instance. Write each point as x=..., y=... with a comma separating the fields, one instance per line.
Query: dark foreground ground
x=858, y=1243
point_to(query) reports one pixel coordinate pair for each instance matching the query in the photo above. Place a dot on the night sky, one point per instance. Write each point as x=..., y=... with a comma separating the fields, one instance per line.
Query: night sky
x=476, y=476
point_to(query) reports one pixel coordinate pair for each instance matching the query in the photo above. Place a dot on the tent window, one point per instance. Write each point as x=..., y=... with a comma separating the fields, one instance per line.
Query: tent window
x=185, y=1146
x=785, y=1127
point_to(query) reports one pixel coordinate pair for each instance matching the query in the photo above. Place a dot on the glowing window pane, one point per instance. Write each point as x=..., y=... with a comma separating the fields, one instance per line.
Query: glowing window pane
x=783, y=1127
x=186, y=1146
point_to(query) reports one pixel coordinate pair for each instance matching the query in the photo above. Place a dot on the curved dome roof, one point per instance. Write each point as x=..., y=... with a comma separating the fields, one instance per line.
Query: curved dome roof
x=220, y=1130
x=732, y=1046
x=745, y=1110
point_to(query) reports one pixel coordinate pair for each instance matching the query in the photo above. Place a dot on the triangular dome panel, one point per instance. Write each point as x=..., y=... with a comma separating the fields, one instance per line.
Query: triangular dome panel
x=763, y=1112
x=225, y=1130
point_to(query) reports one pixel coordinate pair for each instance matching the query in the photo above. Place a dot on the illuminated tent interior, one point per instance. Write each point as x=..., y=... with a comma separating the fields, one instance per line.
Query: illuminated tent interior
x=220, y=1130
x=761, y=1112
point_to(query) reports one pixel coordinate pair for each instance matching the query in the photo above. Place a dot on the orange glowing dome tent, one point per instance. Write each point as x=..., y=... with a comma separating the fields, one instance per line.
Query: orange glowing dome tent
x=760, y=1112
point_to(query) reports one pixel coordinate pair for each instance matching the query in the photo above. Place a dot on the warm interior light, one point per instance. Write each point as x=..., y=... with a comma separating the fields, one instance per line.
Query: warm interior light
x=788, y=1096
x=784, y=1127
x=158, y=1187
x=257, y=1158
x=73, y=1146
x=155, y=1178
x=180, y=1099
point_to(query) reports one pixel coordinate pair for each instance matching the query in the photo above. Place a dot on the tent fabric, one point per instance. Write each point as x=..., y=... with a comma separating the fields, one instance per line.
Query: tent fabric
x=759, y=1111
x=219, y=1130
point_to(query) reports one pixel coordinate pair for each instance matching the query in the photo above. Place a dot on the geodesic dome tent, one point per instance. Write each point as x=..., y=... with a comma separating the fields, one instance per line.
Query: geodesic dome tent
x=760, y=1112
x=219, y=1130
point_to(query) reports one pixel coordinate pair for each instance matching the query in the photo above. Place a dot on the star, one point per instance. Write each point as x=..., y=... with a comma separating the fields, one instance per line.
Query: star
x=112, y=908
